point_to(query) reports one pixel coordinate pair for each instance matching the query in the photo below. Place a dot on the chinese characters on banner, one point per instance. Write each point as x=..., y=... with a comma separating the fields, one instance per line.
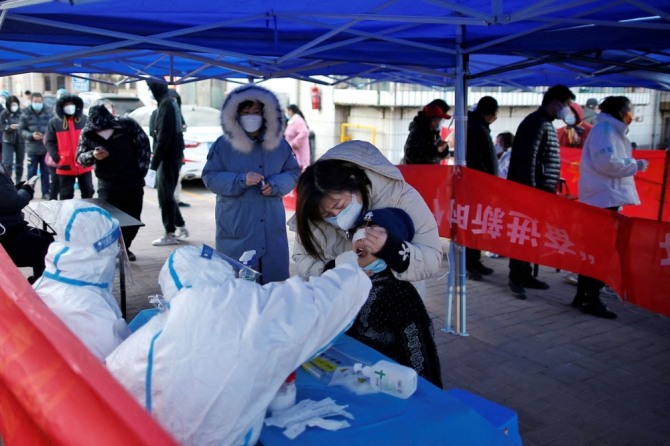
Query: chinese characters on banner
x=482, y=211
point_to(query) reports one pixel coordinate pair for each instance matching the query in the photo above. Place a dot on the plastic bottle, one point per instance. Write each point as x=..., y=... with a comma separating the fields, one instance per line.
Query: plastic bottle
x=285, y=396
x=244, y=273
x=391, y=378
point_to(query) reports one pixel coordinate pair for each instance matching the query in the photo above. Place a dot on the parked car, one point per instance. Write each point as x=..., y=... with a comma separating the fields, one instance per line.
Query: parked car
x=118, y=104
x=203, y=128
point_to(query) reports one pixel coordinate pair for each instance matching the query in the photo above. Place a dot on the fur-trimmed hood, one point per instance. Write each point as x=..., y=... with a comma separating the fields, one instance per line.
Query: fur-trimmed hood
x=273, y=118
x=76, y=100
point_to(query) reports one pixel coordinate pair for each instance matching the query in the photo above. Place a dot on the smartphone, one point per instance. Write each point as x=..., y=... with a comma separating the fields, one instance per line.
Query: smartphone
x=33, y=180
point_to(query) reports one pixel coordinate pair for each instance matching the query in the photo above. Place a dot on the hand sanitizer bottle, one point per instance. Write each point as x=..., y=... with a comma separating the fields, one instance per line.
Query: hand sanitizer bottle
x=390, y=377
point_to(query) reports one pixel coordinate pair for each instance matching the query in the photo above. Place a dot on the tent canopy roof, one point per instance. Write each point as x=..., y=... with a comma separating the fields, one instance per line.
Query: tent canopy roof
x=507, y=42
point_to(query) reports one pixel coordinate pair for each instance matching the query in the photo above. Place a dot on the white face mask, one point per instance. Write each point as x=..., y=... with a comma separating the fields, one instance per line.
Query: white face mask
x=14, y=108
x=570, y=119
x=499, y=149
x=37, y=106
x=69, y=109
x=347, y=216
x=251, y=123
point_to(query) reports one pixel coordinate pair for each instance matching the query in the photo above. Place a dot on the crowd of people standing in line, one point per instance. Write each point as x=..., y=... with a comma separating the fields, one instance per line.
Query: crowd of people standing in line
x=531, y=157
x=263, y=151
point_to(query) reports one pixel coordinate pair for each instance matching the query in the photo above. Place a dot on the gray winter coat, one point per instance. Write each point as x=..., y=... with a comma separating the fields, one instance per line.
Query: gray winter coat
x=30, y=123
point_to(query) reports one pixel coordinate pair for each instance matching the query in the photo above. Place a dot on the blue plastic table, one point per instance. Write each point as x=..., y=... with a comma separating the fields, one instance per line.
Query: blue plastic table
x=429, y=417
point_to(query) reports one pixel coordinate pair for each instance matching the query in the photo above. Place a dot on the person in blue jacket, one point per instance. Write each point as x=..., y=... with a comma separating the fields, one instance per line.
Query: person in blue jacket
x=250, y=168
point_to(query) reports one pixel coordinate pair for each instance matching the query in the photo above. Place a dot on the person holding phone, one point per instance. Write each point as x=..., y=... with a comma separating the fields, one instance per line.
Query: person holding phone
x=119, y=149
x=27, y=246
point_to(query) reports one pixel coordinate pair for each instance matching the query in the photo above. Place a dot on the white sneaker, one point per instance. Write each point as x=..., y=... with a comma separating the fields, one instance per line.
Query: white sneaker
x=168, y=239
x=181, y=232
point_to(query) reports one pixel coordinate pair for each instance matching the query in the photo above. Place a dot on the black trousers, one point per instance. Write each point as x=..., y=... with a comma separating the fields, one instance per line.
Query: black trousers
x=27, y=247
x=85, y=185
x=127, y=198
x=519, y=271
x=167, y=176
x=472, y=257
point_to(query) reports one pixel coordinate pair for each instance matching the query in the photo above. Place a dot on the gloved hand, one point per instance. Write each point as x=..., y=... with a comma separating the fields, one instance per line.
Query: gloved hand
x=346, y=257
x=642, y=165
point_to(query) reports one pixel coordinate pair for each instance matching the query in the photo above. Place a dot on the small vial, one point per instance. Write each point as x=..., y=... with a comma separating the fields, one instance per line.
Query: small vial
x=285, y=396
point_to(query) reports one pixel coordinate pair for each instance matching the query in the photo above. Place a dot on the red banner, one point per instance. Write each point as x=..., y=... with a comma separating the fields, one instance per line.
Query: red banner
x=482, y=211
x=53, y=391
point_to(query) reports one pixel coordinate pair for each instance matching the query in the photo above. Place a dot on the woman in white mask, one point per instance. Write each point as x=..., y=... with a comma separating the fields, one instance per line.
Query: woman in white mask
x=250, y=168
x=333, y=193
x=13, y=149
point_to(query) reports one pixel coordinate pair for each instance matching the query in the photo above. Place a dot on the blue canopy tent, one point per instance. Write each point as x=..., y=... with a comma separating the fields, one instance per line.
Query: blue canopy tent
x=499, y=42
x=431, y=42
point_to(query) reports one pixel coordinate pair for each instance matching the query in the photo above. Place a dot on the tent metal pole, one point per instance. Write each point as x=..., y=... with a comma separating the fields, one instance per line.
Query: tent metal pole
x=459, y=153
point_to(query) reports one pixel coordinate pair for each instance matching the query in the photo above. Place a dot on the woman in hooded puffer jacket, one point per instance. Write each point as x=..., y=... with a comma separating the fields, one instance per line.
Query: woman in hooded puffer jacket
x=250, y=168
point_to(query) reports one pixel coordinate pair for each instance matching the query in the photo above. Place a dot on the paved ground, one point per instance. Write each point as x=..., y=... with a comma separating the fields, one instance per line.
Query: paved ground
x=572, y=378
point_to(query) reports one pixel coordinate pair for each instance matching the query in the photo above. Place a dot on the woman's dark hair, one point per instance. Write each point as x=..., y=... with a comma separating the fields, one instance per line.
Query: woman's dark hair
x=614, y=105
x=318, y=180
x=296, y=110
x=10, y=100
x=507, y=138
x=249, y=103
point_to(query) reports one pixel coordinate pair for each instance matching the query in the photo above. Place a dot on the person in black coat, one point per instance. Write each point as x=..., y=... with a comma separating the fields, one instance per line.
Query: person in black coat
x=26, y=246
x=423, y=144
x=13, y=148
x=480, y=155
x=168, y=156
x=120, y=150
x=536, y=162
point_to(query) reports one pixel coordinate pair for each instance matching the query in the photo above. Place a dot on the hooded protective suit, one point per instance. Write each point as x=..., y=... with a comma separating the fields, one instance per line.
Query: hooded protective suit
x=208, y=367
x=80, y=268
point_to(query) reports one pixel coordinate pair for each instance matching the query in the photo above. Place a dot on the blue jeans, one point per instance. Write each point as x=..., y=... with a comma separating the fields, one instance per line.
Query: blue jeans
x=35, y=162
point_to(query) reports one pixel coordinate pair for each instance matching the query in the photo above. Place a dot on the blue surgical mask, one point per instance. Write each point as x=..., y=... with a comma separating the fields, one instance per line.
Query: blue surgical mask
x=376, y=267
x=37, y=106
x=564, y=112
x=347, y=216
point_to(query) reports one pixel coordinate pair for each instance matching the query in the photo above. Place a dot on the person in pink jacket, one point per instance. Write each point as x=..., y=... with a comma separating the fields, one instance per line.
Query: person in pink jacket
x=297, y=135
